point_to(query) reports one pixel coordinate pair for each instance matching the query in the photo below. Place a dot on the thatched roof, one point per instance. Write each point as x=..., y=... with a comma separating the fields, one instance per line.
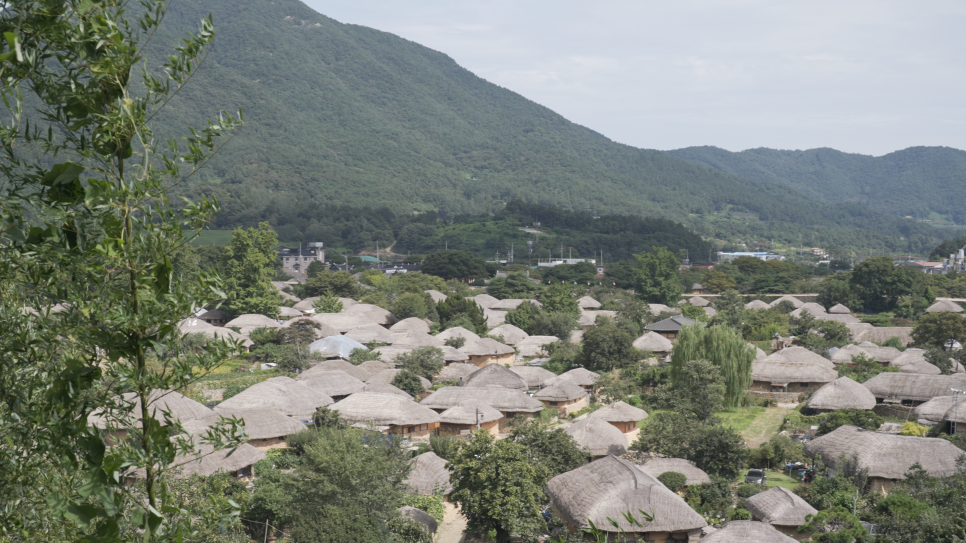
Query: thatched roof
x=610, y=487
x=535, y=376
x=844, y=319
x=710, y=311
x=759, y=354
x=842, y=393
x=879, y=354
x=485, y=301
x=779, y=371
x=324, y=330
x=756, y=305
x=800, y=355
x=589, y=318
x=896, y=387
x=455, y=372
x=588, y=303
x=535, y=346
x=598, y=437
x=386, y=388
x=795, y=301
x=247, y=323
x=494, y=318
x=191, y=325
x=956, y=413
x=655, y=467
x=747, y=531
x=485, y=347
x=451, y=354
x=942, y=306
x=415, y=340
x=373, y=367
x=412, y=324
x=885, y=455
x=383, y=410
x=340, y=346
x=866, y=332
x=561, y=391
x=180, y=407
x=511, y=334
x=839, y=309
x=260, y=423
x=436, y=295
x=814, y=308
x=922, y=368
x=909, y=356
x=779, y=506
x=205, y=460
x=620, y=412
x=654, y=342
x=307, y=304
x=429, y=475
x=466, y=413
x=390, y=352
x=512, y=303
x=358, y=372
x=285, y=395
x=333, y=383
x=581, y=376
x=288, y=313
x=370, y=333
x=374, y=312
x=343, y=322
x=457, y=331
x=495, y=375
x=933, y=411
x=419, y=516
x=386, y=376
x=698, y=301
x=657, y=309
x=501, y=399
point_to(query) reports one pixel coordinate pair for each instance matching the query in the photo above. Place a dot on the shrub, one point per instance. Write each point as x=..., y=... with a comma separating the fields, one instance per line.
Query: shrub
x=455, y=342
x=673, y=480
x=913, y=429
x=748, y=490
x=358, y=356
x=232, y=390
x=408, y=382
x=739, y=514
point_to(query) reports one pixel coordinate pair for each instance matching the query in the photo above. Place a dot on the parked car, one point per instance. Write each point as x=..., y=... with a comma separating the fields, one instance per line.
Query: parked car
x=756, y=476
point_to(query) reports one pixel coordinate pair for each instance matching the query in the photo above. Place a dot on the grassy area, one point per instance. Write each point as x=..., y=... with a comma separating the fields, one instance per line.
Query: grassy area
x=740, y=418
x=212, y=237
x=777, y=478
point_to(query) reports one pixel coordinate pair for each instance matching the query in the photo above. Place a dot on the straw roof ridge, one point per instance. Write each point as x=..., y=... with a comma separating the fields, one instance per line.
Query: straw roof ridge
x=383, y=410
x=370, y=333
x=912, y=386
x=842, y=393
x=457, y=331
x=933, y=411
x=207, y=461
x=956, y=413
x=485, y=301
x=773, y=370
x=747, y=531
x=795, y=301
x=386, y=388
x=587, y=302
x=534, y=346
x=436, y=295
x=260, y=422
x=344, y=366
x=386, y=376
x=620, y=411
x=598, y=437
x=495, y=375
x=611, y=486
x=486, y=347
x=698, y=301
x=374, y=366
x=456, y=372
x=756, y=305
x=535, y=376
x=779, y=506
x=561, y=391
x=501, y=399
x=658, y=466
x=181, y=408
x=343, y=322
x=581, y=376
x=374, y=312
x=654, y=342
x=465, y=413
x=511, y=334
x=944, y=306
x=801, y=355
x=252, y=320
x=839, y=309
x=494, y=318
x=414, y=340
x=429, y=473
x=411, y=324
x=334, y=383
x=285, y=395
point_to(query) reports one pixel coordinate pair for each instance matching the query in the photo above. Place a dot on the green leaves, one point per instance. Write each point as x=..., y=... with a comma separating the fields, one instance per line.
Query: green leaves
x=13, y=42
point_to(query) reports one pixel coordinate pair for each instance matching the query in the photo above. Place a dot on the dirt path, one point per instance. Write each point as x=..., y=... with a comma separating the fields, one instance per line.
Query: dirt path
x=451, y=530
x=766, y=425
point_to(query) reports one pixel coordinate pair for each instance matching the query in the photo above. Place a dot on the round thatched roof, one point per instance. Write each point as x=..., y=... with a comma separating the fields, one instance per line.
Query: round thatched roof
x=260, y=423
x=598, y=437
x=747, y=531
x=374, y=366
x=842, y=393
x=535, y=376
x=205, y=460
x=535, y=346
x=589, y=318
x=285, y=395
x=620, y=412
x=363, y=408
x=654, y=342
x=436, y=295
x=505, y=400
x=513, y=303
x=892, y=386
x=412, y=324
x=561, y=391
x=944, y=306
x=933, y=411
x=495, y=375
x=429, y=475
x=288, y=313
x=457, y=331
x=581, y=376
x=909, y=356
x=307, y=304
x=778, y=371
x=756, y=305
x=839, y=309
x=370, y=333
x=655, y=467
x=921, y=368
x=608, y=488
x=419, y=516
x=511, y=334
x=343, y=322
x=795, y=301
x=494, y=318
x=181, y=407
x=451, y=354
x=588, y=303
x=187, y=326
x=390, y=352
x=956, y=413
x=698, y=301
x=358, y=372
x=657, y=309
x=486, y=347
x=374, y=312
x=455, y=372
x=414, y=340
x=800, y=355
x=466, y=413
x=386, y=388
x=333, y=383
x=780, y=507
x=710, y=311
x=386, y=376
x=252, y=321
x=759, y=354
x=485, y=301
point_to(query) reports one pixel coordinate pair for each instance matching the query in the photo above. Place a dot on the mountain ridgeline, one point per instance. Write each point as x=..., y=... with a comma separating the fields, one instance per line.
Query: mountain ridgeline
x=342, y=117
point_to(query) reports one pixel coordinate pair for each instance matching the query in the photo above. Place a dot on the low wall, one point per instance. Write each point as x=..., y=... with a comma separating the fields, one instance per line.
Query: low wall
x=894, y=411
x=780, y=397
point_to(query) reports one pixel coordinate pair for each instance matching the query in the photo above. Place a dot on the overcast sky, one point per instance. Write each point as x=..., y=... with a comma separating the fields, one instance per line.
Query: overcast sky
x=864, y=76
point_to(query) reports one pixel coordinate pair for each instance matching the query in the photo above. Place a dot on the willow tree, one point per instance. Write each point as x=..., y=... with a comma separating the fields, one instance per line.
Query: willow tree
x=724, y=348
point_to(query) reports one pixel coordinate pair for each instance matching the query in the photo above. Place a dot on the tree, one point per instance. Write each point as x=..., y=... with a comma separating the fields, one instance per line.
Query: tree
x=837, y=289
x=699, y=390
x=560, y=299
x=328, y=303
x=856, y=417
x=522, y=316
x=718, y=281
x=862, y=368
x=425, y=362
x=408, y=382
x=456, y=310
x=936, y=329
x=656, y=279
x=879, y=283
x=553, y=323
x=496, y=486
x=249, y=263
x=411, y=304
x=608, y=346
x=724, y=348
x=514, y=285
x=731, y=309
x=717, y=450
x=835, y=525
x=673, y=480
x=552, y=448
x=360, y=355
x=339, y=283
x=454, y=264
x=327, y=418
x=315, y=267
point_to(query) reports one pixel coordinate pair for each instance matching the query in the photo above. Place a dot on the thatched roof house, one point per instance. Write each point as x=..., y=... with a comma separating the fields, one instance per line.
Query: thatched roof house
x=656, y=467
x=507, y=401
x=710, y=311
x=181, y=408
x=463, y=419
x=776, y=373
x=451, y=354
x=488, y=351
x=912, y=389
x=624, y=417
x=457, y=331
x=370, y=333
x=429, y=475
x=343, y=322
x=699, y=301
x=247, y=323
x=288, y=313
x=436, y=295
x=485, y=301
x=794, y=301
x=386, y=388
x=386, y=376
x=265, y=428
x=886, y=456
x=657, y=309
x=956, y=416
x=412, y=324
x=598, y=437
x=388, y=412
x=513, y=303
x=588, y=303
x=324, y=330
x=779, y=507
x=535, y=346
x=374, y=366
x=839, y=309
x=589, y=318
x=610, y=487
x=535, y=376
x=864, y=331
x=564, y=396
x=801, y=355
x=336, y=384
x=747, y=531
x=287, y=396
x=933, y=411
x=494, y=317
x=511, y=334
x=582, y=377
x=883, y=355
x=420, y=517
x=456, y=372
x=756, y=305
x=373, y=312
x=205, y=461
x=759, y=354
x=495, y=375
x=842, y=393
x=214, y=317
x=654, y=342
x=358, y=372
x=415, y=340
x=944, y=306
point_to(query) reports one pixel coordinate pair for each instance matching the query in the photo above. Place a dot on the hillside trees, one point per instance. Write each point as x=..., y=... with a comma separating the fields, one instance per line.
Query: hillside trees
x=454, y=264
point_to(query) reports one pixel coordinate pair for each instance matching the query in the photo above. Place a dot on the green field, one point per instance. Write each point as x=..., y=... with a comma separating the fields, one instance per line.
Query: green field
x=212, y=237
x=740, y=418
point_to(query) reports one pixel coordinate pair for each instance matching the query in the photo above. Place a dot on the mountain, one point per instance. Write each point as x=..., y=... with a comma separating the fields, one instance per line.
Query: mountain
x=922, y=182
x=341, y=116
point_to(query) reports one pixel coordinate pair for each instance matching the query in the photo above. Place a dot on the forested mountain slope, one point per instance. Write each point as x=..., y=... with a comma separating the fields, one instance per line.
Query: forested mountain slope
x=346, y=115
x=915, y=181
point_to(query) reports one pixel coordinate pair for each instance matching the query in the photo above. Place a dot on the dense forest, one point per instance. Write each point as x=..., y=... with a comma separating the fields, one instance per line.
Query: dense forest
x=343, y=115
x=916, y=182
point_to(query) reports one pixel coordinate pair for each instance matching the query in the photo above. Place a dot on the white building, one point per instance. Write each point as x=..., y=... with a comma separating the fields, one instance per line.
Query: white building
x=299, y=259
x=728, y=257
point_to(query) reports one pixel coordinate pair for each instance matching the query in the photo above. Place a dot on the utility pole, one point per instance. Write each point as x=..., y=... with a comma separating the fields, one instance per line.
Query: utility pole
x=952, y=425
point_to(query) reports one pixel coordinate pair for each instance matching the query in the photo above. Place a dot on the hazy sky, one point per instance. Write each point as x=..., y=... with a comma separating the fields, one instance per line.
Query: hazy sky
x=863, y=76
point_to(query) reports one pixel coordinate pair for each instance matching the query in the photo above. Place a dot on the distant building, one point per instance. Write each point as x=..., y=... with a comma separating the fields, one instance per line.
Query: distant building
x=551, y=262
x=728, y=257
x=930, y=268
x=299, y=259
